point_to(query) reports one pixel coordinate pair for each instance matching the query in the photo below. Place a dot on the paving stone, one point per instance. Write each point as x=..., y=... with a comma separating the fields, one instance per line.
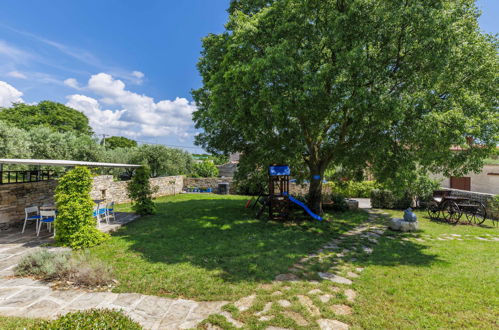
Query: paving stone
x=335, y=278
x=153, y=307
x=266, y=318
x=334, y=289
x=65, y=296
x=19, y=282
x=284, y=303
x=325, y=298
x=90, y=300
x=7, y=292
x=41, y=309
x=351, y=295
x=277, y=293
x=265, y=309
x=231, y=320
x=25, y=297
x=245, y=303
x=341, y=309
x=325, y=324
x=315, y=291
x=286, y=278
x=210, y=326
x=352, y=275
x=296, y=317
x=176, y=312
x=126, y=300
x=309, y=305
x=266, y=286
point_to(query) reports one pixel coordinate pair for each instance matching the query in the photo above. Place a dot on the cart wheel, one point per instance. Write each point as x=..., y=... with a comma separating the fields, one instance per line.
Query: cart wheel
x=433, y=210
x=480, y=214
x=451, y=212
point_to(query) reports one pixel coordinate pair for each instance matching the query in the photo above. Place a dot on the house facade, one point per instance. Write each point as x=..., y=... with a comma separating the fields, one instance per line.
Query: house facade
x=487, y=181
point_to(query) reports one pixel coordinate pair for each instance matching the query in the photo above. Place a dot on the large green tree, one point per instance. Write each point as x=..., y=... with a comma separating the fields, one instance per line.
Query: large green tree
x=391, y=83
x=53, y=115
x=114, y=142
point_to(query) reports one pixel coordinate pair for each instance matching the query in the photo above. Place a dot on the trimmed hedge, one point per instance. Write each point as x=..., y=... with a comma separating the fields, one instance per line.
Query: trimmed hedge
x=386, y=199
x=102, y=319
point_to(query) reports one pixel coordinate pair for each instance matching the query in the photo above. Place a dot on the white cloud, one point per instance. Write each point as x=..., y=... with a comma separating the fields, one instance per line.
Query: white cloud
x=138, y=74
x=72, y=82
x=17, y=74
x=9, y=95
x=138, y=113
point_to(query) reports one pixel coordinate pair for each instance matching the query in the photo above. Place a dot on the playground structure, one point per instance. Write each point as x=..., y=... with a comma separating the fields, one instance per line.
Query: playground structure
x=278, y=200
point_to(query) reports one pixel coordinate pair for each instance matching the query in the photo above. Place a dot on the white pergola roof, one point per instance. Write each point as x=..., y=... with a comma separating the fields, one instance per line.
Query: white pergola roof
x=68, y=163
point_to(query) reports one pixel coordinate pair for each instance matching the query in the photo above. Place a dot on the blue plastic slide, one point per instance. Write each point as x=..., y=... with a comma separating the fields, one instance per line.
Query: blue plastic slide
x=312, y=214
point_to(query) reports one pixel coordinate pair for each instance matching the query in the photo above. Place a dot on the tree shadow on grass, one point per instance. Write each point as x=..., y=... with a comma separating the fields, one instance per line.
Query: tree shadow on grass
x=220, y=234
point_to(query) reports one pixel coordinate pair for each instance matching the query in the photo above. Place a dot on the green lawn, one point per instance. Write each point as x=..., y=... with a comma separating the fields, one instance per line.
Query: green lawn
x=432, y=284
x=209, y=247
x=17, y=323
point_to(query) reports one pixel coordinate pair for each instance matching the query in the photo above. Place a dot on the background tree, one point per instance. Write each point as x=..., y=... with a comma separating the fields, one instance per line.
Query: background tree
x=140, y=191
x=114, y=142
x=53, y=115
x=163, y=161
x=205, y=169
x=326, y=83
x=75, y=226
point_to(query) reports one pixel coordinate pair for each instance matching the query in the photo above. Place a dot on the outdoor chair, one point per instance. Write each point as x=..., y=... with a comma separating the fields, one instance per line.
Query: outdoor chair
x=47, y=217
x=31, y=213
x=110, y=212
x=103, y=213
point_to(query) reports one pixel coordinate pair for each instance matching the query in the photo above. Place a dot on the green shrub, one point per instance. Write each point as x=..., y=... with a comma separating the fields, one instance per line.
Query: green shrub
x=339, y=202
x=387, y=199
x=140, y=192
x=357, y=189
x=102, y=319
x=64, y=266
x=75, y=226
x=205, y=169
x=44, y=265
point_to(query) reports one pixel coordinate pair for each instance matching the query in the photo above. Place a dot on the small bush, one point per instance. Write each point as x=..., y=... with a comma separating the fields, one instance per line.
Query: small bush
x=75, y=225
x=339, y=202
x=140, y=192
x=102, y=319
x=63, y=266
x=386, y=199
x=357, y=189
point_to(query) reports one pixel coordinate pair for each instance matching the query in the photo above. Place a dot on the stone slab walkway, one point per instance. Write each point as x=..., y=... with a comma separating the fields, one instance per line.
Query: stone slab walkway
x=36, y=299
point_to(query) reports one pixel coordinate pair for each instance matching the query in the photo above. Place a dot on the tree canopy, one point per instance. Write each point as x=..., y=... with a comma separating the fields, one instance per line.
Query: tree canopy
x=53, y=115
x=114, y=142
x=321, y=83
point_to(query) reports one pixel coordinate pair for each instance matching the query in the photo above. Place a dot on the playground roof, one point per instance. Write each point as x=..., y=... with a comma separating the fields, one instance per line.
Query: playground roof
x=66, y=163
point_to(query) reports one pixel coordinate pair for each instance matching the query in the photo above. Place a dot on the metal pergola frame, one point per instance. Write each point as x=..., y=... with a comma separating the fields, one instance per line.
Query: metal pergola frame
x=50, y=162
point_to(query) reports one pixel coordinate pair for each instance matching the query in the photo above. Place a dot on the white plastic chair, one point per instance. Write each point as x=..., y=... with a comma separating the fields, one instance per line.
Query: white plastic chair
x=47, y=217
x=30, y=214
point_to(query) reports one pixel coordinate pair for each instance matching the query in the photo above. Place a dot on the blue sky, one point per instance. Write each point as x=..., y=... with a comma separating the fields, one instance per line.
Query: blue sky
x=129, y=65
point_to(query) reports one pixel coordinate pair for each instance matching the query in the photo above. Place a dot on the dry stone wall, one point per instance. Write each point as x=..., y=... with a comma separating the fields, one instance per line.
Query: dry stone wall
x=205, y=183
x=15, y=197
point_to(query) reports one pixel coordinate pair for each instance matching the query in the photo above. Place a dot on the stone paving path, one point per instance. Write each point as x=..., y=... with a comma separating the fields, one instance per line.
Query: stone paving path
x=36, y=299
x=358, y=241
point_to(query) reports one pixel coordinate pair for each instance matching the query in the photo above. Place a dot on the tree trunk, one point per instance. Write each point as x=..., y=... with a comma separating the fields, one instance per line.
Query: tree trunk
x=315, y=190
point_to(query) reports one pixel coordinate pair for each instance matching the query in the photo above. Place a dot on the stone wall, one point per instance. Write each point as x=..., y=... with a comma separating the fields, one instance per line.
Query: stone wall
x=105, y=187
x=205, y=183
x=479, y=197
x=302, y=189
x=15, y=197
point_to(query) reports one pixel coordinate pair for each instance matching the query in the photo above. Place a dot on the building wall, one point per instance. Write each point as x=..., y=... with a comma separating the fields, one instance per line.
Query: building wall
x=482, y=182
